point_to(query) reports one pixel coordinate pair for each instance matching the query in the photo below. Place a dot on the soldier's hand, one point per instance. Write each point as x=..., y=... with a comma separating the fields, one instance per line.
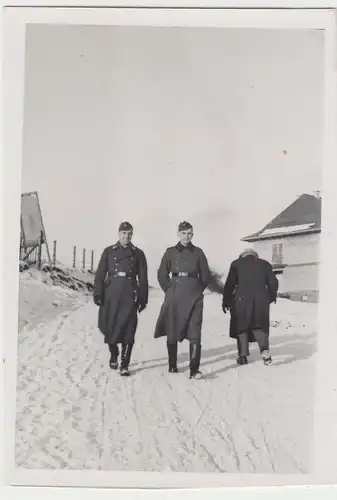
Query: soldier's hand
x=141, y=307
x=98, y=300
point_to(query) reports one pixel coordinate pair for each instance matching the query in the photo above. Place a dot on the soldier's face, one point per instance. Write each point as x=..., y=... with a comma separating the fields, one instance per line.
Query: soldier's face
x=185, y=236
x=125, y=237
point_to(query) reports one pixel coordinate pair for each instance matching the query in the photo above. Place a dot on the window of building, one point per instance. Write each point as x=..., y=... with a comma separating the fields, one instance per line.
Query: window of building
x=277, y=255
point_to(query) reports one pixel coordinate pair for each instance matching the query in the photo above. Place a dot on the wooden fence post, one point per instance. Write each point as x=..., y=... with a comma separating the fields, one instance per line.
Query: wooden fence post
x=92, y=261
x=74, y=256
x=39, y=256
x=54, y=253
x=83, y=259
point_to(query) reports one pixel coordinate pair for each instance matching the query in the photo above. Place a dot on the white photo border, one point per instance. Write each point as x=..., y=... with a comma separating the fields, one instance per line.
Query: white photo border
x=325, y=442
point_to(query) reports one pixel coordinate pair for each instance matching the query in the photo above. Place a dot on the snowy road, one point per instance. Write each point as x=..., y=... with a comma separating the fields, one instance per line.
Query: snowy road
x=74, y=413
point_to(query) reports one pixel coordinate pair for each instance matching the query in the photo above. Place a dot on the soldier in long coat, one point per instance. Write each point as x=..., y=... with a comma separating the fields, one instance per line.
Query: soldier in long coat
x=121, y=291
x=250, y=288
x=183, y=275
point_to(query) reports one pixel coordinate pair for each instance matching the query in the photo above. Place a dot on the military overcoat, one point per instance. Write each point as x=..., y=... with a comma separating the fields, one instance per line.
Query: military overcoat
x=181, y=313
x=121, y=280
x=250, y=288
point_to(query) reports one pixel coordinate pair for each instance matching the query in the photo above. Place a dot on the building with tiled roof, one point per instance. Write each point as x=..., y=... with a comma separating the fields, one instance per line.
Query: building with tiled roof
x=291, y=243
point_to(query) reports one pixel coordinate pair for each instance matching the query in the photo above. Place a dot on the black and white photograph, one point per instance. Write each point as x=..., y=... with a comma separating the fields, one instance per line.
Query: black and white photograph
x=170, y=249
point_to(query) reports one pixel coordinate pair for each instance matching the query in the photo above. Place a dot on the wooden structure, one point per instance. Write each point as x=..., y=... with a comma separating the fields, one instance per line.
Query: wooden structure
x=33, y=235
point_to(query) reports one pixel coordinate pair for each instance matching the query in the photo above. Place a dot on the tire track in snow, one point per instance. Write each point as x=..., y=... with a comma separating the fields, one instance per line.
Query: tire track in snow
x=154, y=420
x=199, y=441
x=103, y=424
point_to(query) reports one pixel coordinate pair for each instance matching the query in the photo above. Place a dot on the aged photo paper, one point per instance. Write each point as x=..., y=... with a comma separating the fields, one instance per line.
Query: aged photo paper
x=170, y=242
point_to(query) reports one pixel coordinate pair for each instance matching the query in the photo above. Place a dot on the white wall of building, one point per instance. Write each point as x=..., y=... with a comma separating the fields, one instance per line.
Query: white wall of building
x=297, y=277
x=301, y=278
x=296, y=249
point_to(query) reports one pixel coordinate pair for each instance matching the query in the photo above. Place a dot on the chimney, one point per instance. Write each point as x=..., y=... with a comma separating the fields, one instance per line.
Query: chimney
x=316, y=194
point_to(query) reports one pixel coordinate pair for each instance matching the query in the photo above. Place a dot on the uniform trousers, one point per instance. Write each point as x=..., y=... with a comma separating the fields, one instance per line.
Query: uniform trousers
x=261, y=337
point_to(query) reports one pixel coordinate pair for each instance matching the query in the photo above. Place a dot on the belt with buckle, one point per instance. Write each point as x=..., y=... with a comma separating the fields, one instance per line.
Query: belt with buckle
x=120, y=274
x=184, y=274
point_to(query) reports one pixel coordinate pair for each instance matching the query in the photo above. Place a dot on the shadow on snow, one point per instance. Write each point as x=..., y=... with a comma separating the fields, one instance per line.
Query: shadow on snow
x=294, y=347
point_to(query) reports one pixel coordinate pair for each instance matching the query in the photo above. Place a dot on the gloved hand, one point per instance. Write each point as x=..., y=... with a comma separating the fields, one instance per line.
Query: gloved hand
x=98, y=300
x=141, y=306
x=225, y=309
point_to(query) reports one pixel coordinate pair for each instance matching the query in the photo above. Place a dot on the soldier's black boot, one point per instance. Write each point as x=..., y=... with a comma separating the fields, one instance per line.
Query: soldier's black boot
x=195, y=355
x=114, y=353
x=242, y=360
x=172, y=350
x=126, y=356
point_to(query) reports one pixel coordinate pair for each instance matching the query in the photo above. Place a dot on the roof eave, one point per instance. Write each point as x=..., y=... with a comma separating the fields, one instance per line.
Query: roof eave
x=260, y=237
x=279, y=267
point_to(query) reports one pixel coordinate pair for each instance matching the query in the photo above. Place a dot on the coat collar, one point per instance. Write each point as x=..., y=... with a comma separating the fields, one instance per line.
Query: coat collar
x=181, y=247
x=130, y=246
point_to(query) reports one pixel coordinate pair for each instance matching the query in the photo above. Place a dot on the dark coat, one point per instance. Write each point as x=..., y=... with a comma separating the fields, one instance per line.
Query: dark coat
x=250, y=288
x=181, y=313
x=121, y=296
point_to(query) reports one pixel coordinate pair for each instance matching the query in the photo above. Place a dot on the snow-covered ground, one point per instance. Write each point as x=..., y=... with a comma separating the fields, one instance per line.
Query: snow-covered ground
x=74, y=413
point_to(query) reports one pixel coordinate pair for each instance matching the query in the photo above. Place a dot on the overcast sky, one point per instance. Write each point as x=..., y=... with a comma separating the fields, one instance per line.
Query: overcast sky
x=221, y=127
